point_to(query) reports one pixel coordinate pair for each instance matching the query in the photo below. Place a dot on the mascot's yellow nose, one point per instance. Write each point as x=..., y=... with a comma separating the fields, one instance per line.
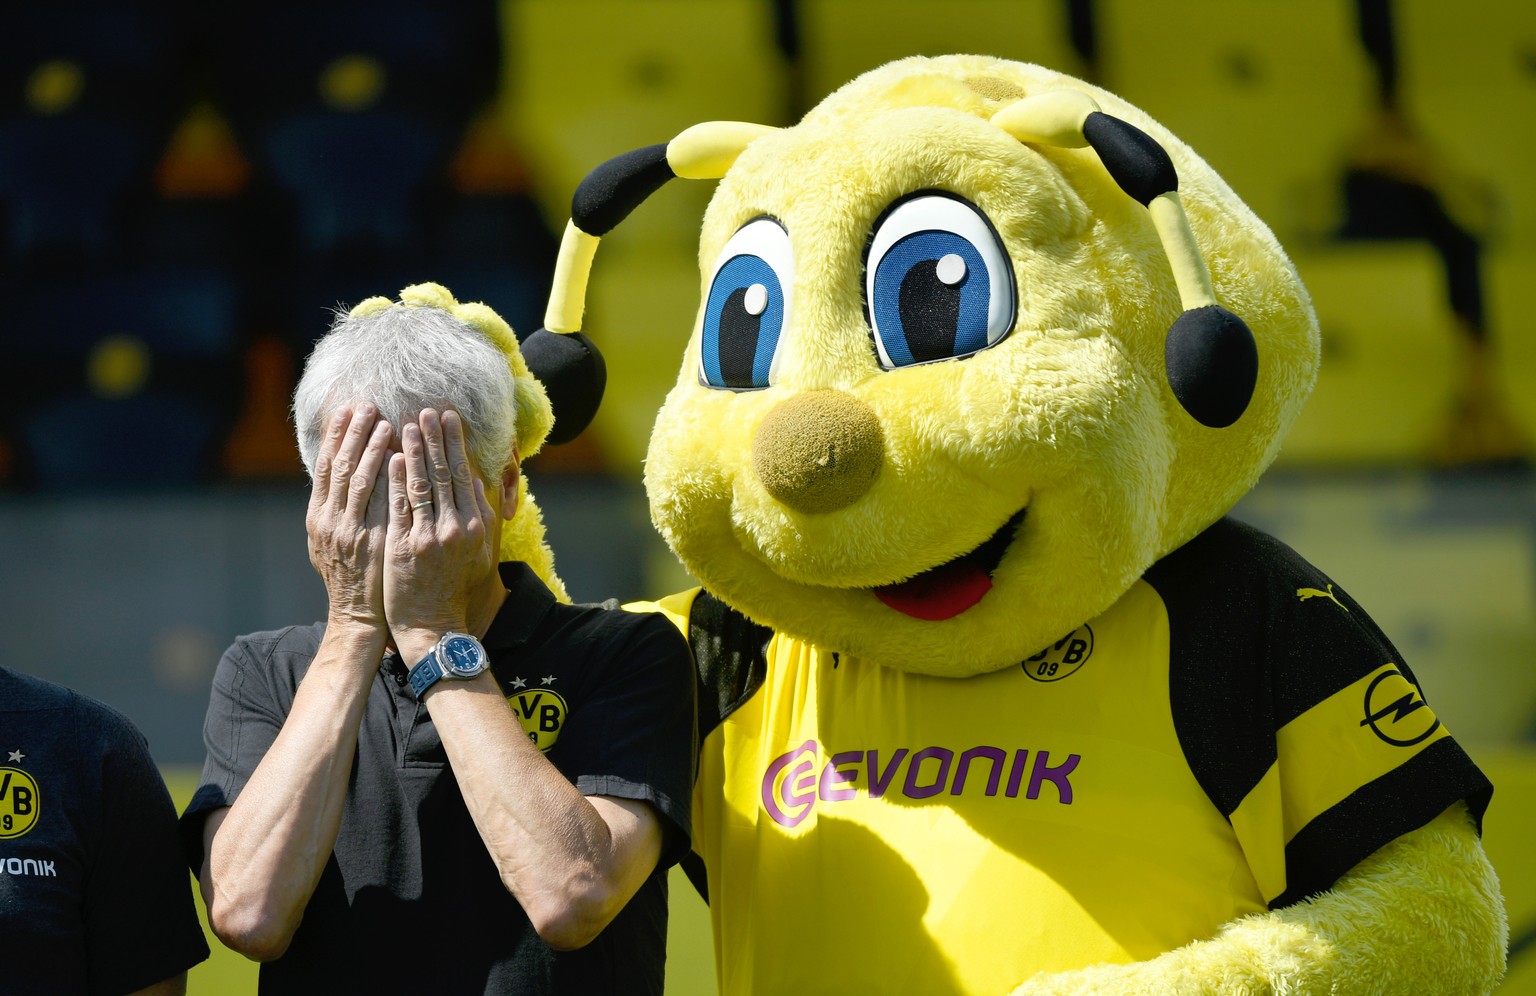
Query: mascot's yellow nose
x=819, y=451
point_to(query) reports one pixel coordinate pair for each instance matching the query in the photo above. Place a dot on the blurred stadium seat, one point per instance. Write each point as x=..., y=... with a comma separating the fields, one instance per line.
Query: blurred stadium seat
x=643, y=309
x=843, y=38
x=487, y=237
x=63, y=182
x=435, y=61
x=1269, y=94
x=124, y=59
x=131, y=377
x=1510, y=272
x=1468, y=80
x=587, y=87
x=1388, y=356
x=356, y=178
x=88, y=93
x=349, y=112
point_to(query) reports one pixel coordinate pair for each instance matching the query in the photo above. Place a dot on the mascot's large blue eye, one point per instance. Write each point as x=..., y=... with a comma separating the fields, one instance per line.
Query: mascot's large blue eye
x=937, y=282
x=747, y=308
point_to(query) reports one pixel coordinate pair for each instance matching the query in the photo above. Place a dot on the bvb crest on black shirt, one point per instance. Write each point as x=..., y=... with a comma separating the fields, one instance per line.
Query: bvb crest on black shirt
x=18, y=802
x=541, y=712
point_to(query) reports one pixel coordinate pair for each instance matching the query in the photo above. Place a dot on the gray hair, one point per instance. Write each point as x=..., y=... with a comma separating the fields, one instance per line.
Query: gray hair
x=405, y=358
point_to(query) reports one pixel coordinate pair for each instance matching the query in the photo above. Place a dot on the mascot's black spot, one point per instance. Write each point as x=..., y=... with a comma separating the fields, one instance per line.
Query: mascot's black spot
x=738, y=340
x=1213, y=364
x=930, y=313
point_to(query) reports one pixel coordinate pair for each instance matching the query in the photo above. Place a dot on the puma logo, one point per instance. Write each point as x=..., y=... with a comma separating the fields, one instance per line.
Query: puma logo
x=1305, y=593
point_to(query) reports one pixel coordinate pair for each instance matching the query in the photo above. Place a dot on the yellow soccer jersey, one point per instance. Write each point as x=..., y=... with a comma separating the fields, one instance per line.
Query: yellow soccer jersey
x=1230, y=737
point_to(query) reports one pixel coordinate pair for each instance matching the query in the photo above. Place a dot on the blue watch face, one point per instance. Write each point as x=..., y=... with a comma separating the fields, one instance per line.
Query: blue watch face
x=462, y=655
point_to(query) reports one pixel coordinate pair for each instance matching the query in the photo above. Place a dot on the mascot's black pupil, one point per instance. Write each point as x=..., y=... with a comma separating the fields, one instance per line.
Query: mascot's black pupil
x=738, y=340
x=930, y=312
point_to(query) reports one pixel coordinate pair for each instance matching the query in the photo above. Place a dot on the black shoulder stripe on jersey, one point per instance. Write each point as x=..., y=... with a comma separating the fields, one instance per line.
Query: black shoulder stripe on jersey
x=1249, y=653
x=1318, y=638
x=1218, y=692
x=730, y=652
x=1402, y=800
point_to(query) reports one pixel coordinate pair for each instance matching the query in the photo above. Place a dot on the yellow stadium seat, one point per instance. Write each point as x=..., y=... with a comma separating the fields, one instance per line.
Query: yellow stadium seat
x=588, y=80
x=843, y=38
x=1508, y=275
x=640, y=312
x=1269, y=94
x=1389, y=355
x=1468, y=82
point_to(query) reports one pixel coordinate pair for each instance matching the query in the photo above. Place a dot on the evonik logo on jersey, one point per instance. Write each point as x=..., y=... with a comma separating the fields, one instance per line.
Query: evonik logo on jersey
x=795, y=782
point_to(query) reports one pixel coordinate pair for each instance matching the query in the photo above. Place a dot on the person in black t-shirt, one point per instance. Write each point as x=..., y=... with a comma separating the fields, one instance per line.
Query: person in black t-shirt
x=456, y=783
x=93, y=894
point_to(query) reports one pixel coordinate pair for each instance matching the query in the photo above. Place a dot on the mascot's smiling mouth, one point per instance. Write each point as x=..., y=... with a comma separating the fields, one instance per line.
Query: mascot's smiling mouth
x=947, y=590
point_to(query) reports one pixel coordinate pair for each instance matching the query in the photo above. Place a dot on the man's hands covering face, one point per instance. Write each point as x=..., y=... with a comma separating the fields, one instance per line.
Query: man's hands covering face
x=399, y=539
x=437, y=545
x=347, y=515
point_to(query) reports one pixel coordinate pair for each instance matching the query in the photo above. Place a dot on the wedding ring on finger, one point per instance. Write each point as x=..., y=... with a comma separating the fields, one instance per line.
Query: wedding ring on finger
x=422, y=504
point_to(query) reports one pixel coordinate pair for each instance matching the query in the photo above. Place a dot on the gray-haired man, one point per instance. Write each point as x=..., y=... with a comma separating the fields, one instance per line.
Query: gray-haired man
x=457, y=783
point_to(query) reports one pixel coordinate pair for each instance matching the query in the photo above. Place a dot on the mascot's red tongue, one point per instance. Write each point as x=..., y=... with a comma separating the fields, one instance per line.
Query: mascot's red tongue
x=941, y=593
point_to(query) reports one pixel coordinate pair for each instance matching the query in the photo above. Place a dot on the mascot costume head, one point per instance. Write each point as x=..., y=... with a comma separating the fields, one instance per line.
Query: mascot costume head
x=979, y=346
x=974, y=353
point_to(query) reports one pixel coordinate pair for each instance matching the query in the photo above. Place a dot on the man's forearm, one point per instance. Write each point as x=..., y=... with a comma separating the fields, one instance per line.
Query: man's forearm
x=572, y=862
x=264, y=855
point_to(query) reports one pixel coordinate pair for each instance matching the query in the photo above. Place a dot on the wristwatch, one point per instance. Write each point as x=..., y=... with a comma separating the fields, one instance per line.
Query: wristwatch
x=457, y=656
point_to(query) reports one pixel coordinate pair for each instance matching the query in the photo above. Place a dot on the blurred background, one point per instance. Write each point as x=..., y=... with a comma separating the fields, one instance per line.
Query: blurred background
x=188, y=189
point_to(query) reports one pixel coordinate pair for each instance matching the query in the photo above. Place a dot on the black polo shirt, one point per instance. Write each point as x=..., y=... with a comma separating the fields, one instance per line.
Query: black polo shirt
x=94, y=897
x=410, y=900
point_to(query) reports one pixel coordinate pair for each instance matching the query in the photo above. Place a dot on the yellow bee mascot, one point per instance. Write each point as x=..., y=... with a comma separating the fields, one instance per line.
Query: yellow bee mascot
x=994, y=697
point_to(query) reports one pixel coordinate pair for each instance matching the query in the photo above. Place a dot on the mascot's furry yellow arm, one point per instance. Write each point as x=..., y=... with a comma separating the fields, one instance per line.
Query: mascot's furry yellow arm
x=522, y=538
x=992, y=693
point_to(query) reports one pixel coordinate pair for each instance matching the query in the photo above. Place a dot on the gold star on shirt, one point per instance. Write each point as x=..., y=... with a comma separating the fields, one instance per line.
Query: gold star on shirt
x=16, y=756
x=519, y=683
x=547, y=681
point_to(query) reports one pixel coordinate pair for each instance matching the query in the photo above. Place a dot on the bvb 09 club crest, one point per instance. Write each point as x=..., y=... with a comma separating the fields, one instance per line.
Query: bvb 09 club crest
x=541, y=713
x=18, y=802
x=1063, y=657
